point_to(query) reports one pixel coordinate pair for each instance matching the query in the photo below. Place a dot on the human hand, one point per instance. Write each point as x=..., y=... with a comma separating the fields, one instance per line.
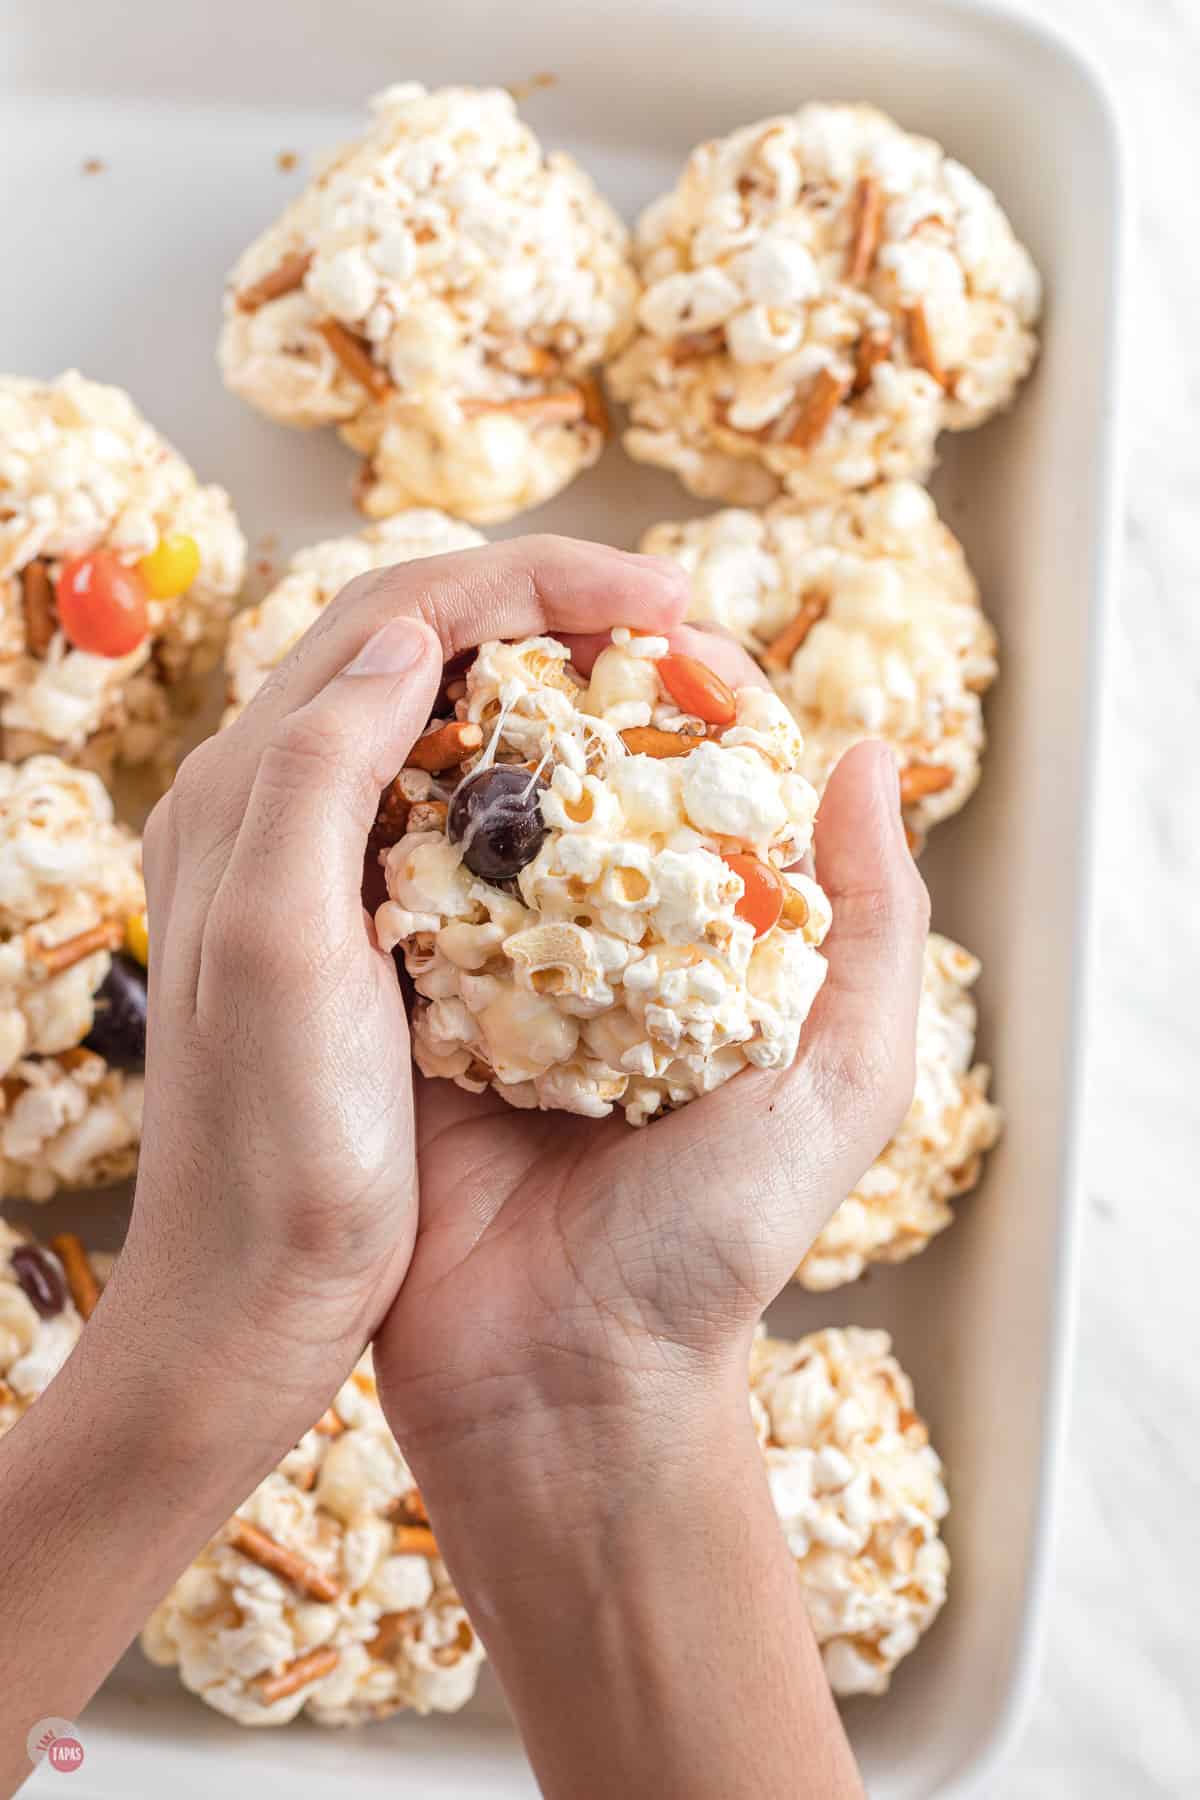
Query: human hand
x=276, y=1204
x=565, y=1262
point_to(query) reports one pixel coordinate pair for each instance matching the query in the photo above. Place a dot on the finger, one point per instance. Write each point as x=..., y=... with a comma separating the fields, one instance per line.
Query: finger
x=860, y=1038
x=517, y=589
x=722, y=654
x=289, y=897
x=522, y=588
x=820, y=1123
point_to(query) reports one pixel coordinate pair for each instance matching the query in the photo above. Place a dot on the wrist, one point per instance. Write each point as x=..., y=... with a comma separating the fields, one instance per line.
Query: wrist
x=531, y=1498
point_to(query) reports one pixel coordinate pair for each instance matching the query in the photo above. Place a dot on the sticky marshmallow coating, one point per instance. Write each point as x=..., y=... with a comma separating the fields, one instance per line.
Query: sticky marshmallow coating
x=397, y=1626
x=903, y=1200
x=263, y=635
x=860, y=1495
x=481, y=280
x=66, y=1118
x=900, y=648
x=615, y=970
x=32, y=1348
x=765, y=362
x=82, y=470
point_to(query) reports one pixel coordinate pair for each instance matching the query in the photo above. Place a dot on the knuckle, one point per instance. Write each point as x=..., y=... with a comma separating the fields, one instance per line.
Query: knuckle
x=316, y=737
x=234, y=936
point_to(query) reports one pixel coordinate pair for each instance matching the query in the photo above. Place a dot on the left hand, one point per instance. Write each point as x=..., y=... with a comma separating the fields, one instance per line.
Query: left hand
x=276, y=1201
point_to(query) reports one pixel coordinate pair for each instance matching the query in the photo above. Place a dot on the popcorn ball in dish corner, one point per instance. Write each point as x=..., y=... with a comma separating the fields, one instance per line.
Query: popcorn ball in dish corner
x=117, y=575
x=46, y=1294
x=442, y=292
x=822, y=293
x=72, y=983
x=860, y=1495
x=262, y=635
x=588, y=880
x=903, y=1200
x=867, y=619
x=325, y=1594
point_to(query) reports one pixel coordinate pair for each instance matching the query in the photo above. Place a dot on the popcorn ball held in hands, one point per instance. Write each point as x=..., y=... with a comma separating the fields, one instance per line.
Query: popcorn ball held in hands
x=117, y=576
x=823, y=293
x=73, y=949
x=589, y=880
x=442, y=293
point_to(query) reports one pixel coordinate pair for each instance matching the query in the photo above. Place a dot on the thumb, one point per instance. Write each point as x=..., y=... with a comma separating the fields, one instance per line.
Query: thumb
x=860, y=1037
x=316, y=788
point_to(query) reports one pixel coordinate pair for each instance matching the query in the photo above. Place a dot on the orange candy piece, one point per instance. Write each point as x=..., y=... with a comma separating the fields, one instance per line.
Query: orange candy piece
x=762, y=899
x=695, y=689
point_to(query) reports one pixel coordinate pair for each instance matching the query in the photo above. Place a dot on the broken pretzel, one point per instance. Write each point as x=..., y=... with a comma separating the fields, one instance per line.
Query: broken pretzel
x=284, y=279
x=109, y=934
x=37, y=601
x=921, y=345
x=355, y=357
x=445, y=746
x=81, y=1277
x=780, y=651
x=647, y=740
x=820, y=403
x=279, y=1560
x=868, y=217
x=296, y=1674
x=920, y=779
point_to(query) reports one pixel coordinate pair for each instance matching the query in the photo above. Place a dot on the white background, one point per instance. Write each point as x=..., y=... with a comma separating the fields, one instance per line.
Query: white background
x=1118, y=1715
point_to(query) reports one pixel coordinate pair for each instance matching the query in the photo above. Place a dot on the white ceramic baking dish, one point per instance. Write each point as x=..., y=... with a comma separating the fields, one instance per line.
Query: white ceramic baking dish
x=120, y=272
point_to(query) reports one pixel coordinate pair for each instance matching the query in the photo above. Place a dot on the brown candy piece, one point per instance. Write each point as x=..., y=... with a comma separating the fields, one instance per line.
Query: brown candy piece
x=41, y=1278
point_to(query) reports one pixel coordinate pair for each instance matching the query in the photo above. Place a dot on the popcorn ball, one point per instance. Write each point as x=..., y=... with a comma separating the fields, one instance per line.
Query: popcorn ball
x=442, y=293
x=588, y=880
x=822, y=294
x=72, y=983
x=117, y=575
x=263, y=635
x=325, y=1594
x=859, y=1492
x=866, y=617
x=46, y=1294
x=903, y=1200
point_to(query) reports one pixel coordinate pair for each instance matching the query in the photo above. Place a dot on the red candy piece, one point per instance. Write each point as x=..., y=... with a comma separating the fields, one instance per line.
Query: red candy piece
x=101, y=604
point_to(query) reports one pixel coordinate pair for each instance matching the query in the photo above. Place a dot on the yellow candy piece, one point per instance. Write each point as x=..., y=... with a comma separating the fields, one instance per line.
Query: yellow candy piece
x=171, y=566
x=137, y=937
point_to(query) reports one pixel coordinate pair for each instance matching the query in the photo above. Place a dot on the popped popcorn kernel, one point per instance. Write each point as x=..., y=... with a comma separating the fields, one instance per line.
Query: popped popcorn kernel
x=601, y=916
x=442, y=293
x=822, y=293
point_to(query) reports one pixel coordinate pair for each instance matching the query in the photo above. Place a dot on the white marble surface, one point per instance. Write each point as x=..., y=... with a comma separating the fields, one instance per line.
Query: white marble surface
x=1118, y=1711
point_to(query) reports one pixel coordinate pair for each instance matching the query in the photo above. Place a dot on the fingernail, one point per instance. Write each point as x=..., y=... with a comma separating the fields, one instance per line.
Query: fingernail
x=394, y=649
